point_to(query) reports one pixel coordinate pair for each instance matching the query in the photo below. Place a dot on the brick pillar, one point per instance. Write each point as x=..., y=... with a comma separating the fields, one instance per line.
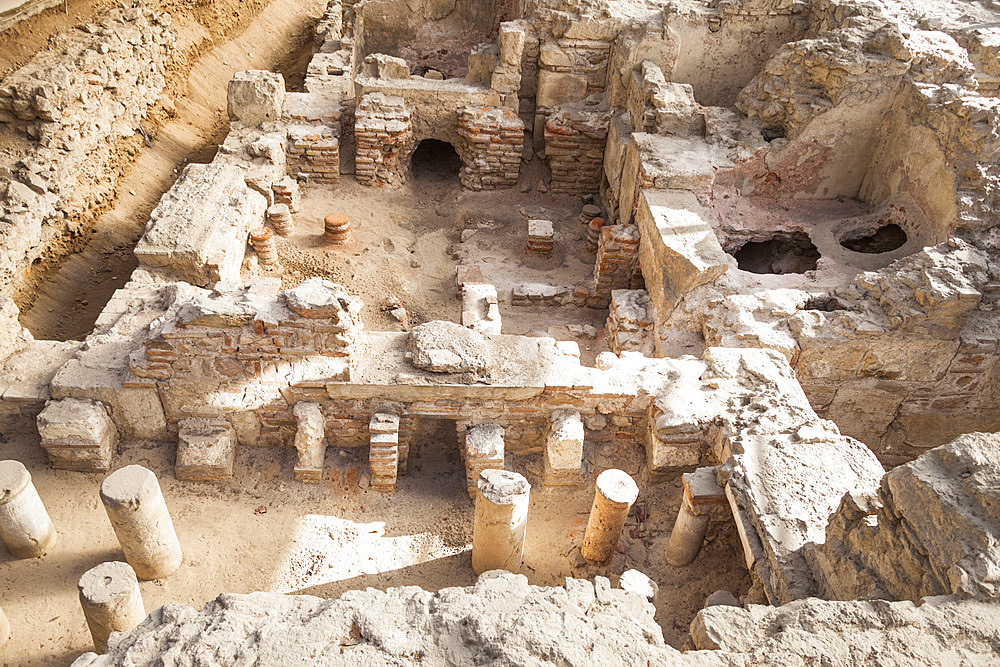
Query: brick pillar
x=490, y=144
x=617, y=259
x=383, y=453
x=484, y=448
x=382, y=128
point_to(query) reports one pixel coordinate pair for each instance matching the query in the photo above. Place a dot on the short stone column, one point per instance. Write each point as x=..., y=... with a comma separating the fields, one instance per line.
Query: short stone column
x=309, y=441
x=25, y=526
x=4, y=629
x=701, y=493
x=500, y=521
x=141, y=521
x=280, y=219
x=616, y=491
x=111, y=601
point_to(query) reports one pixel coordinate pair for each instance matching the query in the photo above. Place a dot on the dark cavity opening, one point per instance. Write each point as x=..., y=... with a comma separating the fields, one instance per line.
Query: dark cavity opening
x=885, y=238
x=784, y=252
x=826, y=304
x=435, y=159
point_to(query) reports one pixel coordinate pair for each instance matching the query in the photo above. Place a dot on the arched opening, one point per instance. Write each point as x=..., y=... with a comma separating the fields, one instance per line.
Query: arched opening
x=435, y=160
x=784, y=252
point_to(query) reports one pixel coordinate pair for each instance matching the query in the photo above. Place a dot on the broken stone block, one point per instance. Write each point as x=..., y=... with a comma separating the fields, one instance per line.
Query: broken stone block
x=480, y=308
x=381, y=66
x=446, y=347
x=317, y=298
x=77, y=434
x=309, y=441
x=206, y=450
x=255, y=97
x=564, y=449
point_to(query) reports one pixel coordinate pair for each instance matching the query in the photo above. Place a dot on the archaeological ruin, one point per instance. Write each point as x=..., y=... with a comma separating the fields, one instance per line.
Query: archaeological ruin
x=582, y=332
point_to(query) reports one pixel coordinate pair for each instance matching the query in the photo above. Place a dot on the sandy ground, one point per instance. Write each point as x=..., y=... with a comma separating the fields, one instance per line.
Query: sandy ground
x=265, y=531
x=68, y=292
x=407, y=242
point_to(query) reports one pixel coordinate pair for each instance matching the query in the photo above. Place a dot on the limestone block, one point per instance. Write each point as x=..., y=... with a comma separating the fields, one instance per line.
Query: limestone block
x=77, y=434
x=678, y=250
x=255, y=97
x=511, y=42
x=482, y=61
x=864, y=412
x=480, y=308
x=317, y=298
x=446, y=347
x=381, y=66
x=309, y=435
x=206, y=450
x=564, y=449
x=198, y=232
x=559, y=87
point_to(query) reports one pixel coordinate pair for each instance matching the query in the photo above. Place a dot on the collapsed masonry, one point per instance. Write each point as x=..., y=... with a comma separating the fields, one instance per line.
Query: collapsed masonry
x=830, y=239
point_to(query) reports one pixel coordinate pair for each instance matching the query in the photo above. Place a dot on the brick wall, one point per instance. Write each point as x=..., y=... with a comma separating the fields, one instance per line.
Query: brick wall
x=382, y=129
x=490, y=144
x=574, y=147
x=313, y=150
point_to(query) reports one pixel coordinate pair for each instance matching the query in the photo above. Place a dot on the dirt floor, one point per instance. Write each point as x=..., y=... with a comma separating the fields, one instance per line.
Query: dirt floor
x=408, y=240
x=264, y=531
x=214, y=41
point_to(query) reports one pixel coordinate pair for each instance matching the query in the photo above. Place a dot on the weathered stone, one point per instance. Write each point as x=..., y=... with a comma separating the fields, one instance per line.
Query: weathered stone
x=255, y=97
x=446, y=347
x=206, y=450
x=78, y=434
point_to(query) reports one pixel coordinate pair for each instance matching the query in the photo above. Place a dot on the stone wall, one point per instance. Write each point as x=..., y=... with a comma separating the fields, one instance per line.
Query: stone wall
x=198, y=232
x=931, y=527
x=490, y=143
x=226, y=354
x=77, y=99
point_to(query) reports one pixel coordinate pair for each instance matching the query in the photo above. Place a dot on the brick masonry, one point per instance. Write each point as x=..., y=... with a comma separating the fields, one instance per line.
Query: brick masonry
x=382, y=129
x=574, y=146
x=490, y=144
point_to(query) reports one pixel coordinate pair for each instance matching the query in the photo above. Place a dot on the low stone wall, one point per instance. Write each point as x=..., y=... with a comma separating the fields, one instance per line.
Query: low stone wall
x=887, y=541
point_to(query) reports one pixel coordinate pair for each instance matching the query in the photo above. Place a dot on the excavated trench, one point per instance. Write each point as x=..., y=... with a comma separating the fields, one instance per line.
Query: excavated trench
x=64, y=293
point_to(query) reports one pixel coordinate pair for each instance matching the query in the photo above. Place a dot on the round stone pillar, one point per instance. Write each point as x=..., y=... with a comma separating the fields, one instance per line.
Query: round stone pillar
x=687, y=535
x=616, y=491
x=25, y=526
x=135, y=506
x=501, y=518
x=109, y=595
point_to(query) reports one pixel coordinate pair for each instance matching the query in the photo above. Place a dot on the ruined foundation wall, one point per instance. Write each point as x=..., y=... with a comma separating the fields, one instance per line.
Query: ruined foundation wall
x=77, y=99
